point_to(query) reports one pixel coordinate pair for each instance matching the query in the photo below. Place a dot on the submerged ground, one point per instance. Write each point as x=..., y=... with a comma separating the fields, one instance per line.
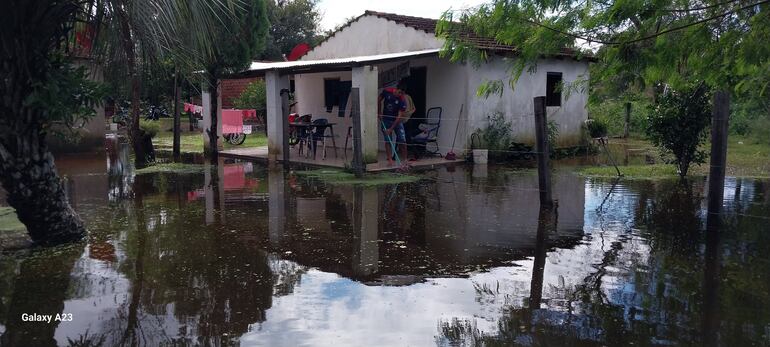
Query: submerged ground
x=239, y=253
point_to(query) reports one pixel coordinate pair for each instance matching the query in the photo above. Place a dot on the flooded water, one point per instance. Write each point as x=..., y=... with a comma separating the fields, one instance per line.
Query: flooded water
x=246, y=255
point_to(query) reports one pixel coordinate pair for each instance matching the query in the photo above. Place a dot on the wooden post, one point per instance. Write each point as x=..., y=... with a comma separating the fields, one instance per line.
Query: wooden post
x=358, y=153
x=177, y=118
x=628, y=120
x=719, y=121
x=541, y=136
x=285, y=126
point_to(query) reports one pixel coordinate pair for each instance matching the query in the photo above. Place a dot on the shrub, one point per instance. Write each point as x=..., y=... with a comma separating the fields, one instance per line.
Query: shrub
x=613, y=113
x=677, y=126
x=553, y=134
x=497, y=135
x=149, y=128
x=597, y=128
x=253, y=97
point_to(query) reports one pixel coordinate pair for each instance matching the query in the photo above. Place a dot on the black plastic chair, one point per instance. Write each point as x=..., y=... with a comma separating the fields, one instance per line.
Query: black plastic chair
x=319, y=134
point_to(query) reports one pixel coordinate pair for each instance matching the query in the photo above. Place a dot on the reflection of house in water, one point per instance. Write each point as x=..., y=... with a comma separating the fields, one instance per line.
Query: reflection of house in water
x=447, y=225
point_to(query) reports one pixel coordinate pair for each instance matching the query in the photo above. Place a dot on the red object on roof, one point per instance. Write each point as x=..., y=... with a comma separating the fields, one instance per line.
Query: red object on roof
x=298, y=51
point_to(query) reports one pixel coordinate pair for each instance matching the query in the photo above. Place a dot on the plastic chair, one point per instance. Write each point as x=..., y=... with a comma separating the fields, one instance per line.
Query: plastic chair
x=319, y=134
x=427, y=138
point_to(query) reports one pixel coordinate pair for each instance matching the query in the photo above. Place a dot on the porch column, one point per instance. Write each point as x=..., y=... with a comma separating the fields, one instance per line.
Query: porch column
x=206, y=103
x=365, y=79
x=276, y=114
x=276, y=202
x=366, y=208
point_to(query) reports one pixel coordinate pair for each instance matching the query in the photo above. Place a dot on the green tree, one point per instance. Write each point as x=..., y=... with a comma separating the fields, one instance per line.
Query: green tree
x=677, y=125
x=642, y=43
x=291, y=22
x=233, y=49
x=254, y=97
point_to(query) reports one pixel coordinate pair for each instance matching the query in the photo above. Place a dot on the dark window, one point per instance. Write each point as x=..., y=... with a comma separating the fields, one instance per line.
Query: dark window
x=330, y=93
x=553, y=89
x=336, y=93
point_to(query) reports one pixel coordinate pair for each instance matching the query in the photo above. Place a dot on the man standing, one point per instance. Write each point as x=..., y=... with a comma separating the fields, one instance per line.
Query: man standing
x=391, y=109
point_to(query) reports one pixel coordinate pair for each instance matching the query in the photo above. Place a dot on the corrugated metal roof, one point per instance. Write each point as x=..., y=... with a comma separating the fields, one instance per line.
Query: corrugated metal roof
x=299, y=65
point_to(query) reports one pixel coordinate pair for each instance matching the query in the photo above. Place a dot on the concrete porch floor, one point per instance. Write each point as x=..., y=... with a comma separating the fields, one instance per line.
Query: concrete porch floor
x=260, y=154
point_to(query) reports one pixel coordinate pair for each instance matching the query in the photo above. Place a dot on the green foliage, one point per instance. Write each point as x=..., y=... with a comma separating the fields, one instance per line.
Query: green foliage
x=677, y=125
x=149, y=128
x=253, y=97
x=291, y=22
x=597, y=128
x=553, y=134
x=238, y=40
x=612, y=112
x=67, y=96
x=496, y=135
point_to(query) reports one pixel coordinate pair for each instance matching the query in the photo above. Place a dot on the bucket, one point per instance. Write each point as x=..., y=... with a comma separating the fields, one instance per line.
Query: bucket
x=480, y=156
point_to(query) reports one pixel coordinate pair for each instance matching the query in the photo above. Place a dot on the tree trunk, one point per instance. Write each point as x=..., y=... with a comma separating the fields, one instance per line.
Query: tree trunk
x=177, y=120
x=134, y=133
x=35, y=190
x=213, y=137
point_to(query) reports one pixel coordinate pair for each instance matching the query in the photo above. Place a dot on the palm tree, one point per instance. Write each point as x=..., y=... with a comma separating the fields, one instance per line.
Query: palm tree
x=40, y=86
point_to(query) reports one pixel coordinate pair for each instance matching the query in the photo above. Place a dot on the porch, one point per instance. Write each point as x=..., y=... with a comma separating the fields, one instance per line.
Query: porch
x=302, y=88
x=343, y=159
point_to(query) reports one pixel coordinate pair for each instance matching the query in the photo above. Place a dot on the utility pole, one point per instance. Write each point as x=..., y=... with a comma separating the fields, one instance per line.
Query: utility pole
x=541, y=136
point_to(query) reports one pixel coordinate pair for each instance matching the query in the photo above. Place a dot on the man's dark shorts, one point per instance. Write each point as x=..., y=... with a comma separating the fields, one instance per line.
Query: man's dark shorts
x=398, y=132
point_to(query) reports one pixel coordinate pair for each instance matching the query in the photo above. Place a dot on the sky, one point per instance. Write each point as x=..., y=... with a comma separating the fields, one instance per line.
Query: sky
x=336, y=11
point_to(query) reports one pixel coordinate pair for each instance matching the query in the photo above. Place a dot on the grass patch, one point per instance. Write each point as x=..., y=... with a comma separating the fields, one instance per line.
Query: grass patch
x=631, y=172
x=179, y=168
x=746, y=157
x=339, y=177
x=192, y=142
x=9, y=221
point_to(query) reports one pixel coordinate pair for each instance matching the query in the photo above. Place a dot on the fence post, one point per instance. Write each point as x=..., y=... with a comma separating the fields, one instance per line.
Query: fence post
x=628, y=120
x=541, y=136
x=358, y=154
x=719, y=120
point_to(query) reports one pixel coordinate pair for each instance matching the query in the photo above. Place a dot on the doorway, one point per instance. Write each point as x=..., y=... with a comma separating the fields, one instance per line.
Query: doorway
x=415, y=87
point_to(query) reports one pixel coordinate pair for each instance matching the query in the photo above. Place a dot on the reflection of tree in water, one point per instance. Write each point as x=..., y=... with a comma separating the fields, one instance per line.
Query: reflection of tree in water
x=211, y=280
x=652, y=299
x=40, y=286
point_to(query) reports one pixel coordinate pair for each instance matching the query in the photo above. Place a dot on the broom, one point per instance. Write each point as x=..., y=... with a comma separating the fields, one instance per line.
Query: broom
x=451, y=154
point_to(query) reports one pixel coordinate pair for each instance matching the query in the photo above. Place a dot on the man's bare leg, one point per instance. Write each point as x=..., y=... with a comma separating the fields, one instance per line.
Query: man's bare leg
x=389, y=153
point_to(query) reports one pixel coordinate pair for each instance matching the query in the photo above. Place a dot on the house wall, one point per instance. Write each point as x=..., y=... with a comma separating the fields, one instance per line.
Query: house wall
x=371, y=35
x=452, y=85
x=518, y=104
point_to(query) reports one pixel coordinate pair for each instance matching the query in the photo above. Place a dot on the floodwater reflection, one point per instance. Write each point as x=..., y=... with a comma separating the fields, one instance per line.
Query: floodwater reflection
x=250, y=255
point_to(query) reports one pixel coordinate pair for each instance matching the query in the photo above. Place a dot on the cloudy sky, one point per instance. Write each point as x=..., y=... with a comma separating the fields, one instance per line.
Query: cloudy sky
x=336, y=11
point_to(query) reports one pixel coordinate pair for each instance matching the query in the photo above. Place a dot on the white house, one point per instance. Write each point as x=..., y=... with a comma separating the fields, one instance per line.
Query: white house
x=378, y=48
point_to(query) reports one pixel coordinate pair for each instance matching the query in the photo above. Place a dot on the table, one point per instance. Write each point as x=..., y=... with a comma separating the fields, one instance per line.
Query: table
x=307, y=133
